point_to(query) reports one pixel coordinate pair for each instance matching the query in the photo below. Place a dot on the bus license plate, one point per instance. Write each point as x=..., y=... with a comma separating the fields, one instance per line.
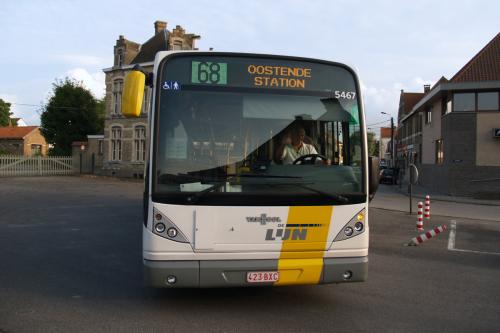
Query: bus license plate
x=256, y=277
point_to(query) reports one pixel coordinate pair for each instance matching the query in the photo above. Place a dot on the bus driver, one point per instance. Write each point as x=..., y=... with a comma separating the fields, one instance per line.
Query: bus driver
x=294, y=147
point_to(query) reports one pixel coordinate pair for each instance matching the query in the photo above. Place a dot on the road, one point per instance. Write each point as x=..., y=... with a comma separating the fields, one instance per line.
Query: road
x=70, y=261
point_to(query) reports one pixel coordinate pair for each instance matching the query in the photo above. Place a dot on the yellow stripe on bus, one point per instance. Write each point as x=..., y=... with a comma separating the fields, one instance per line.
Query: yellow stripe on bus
x=301, y=261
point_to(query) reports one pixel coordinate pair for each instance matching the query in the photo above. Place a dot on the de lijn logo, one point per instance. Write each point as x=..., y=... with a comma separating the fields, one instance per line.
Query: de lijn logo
x=263, y=219
x=286, y=234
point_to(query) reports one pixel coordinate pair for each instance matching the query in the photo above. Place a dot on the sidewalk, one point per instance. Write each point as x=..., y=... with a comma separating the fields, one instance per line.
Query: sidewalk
x=420, y=192
x=389, y=197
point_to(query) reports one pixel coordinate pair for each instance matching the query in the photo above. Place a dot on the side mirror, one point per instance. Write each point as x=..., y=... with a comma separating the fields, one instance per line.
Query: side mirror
x=133, y=93
x=373, y=175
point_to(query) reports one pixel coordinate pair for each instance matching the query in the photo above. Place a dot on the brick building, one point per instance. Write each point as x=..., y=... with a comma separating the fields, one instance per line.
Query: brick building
x=384, y=150
x=22, y=140
x=124, y=142
x=449, y=130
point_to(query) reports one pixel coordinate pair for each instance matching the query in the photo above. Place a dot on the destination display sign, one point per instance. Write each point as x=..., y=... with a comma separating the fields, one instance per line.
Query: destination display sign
x=279, y=76
x=208, y=72
x=248, y=72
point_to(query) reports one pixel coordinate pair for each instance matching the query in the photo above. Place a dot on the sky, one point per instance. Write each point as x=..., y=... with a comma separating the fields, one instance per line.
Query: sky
x=393, y=45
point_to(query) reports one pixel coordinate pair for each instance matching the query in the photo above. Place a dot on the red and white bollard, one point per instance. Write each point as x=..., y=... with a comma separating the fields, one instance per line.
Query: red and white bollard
x=427, y=207
x=427, y=235
x=420, y=221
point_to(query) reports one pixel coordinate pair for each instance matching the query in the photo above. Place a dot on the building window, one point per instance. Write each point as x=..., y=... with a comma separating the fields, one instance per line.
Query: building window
x=419, y=123
x=140, y=143
x=119, y=57
x=487, y=101
x=146, y=100
x=446, y=106
x=116, y=143
x=36, y=150
x=117, y=96
x=439, y=151
x=177, y=45
x=100, y=150
x=428, y=115
x=464, y=102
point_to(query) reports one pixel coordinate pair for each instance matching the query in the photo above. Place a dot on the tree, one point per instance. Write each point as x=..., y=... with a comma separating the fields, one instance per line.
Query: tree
x=373, y=144
x=71, y=113
x=5, y=113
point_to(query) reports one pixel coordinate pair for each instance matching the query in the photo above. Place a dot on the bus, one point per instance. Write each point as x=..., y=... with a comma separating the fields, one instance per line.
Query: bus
x=258, y=171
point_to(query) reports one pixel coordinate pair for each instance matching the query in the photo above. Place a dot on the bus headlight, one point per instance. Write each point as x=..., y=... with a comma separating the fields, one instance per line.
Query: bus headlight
x=354, y=227
x=160, y=227
x=358, y=226
x=172, y=232
x=164, y=227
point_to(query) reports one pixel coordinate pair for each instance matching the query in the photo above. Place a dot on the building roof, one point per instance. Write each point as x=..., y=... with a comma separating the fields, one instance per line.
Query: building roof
x=482, y=72
x=410, y=99
x=484, y=66
x=440, y=81
x=16, y=132
x=159, y=42
x=406, y=103
x=385, y=132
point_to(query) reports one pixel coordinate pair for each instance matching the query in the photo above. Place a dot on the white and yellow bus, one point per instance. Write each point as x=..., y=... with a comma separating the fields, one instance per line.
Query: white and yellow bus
x=258, y=171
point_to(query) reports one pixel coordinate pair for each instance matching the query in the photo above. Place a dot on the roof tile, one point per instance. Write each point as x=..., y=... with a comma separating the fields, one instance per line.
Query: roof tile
x=16, y=132
x=484, y=66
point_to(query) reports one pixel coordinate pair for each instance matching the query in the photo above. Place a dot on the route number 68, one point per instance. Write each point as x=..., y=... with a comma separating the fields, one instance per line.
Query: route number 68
x=345, y=94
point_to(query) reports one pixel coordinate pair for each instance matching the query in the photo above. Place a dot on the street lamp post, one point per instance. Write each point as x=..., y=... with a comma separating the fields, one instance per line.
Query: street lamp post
x=392, y=139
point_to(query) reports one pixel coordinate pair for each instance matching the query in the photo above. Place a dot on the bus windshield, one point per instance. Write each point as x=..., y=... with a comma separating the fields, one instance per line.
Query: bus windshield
x=257, y=131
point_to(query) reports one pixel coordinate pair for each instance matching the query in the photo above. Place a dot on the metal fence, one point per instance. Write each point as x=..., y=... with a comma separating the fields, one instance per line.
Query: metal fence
x=11, y=165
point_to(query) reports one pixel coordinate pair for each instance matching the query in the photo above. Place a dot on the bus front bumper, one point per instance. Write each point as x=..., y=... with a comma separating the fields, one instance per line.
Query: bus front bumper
x=233, y=273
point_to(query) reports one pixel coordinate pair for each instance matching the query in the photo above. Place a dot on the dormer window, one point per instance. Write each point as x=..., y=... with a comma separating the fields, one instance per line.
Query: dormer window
x=119, y=57
x=177, y=45
x=117, y=96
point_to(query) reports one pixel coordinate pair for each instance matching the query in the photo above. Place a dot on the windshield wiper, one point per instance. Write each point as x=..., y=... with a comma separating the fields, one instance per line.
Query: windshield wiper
x=261, y=176
x=338, y=197
x=193, y=198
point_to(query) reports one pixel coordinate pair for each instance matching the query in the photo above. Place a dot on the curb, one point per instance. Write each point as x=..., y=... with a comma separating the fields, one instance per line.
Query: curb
x=440, y=215
x=451, y=199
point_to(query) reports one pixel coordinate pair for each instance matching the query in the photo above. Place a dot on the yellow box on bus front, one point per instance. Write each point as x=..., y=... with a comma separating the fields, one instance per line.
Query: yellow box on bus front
x=133, y=93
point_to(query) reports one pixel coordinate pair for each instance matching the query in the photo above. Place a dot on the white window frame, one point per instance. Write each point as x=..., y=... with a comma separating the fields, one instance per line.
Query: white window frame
x=116, y=143
x=139, y=151
x=117, y=96
x=100, y=147
x=146, y=101
x=428, y=116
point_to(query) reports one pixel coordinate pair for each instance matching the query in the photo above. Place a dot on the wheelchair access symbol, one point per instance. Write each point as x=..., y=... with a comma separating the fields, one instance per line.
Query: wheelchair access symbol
x=171, y=85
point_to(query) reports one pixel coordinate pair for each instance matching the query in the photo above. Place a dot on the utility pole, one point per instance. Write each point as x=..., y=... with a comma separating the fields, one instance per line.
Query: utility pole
x=393, y=163
x=392, y=143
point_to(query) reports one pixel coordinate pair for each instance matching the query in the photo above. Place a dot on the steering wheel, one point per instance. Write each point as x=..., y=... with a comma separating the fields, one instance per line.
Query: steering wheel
x=309, y=159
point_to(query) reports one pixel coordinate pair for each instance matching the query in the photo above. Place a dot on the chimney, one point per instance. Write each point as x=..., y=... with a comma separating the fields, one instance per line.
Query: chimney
x=159, y=26
x=427, y=88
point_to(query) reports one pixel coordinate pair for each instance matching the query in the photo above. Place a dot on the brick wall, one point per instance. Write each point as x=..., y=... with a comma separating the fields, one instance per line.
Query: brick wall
x=11, y=147
x=35, y=138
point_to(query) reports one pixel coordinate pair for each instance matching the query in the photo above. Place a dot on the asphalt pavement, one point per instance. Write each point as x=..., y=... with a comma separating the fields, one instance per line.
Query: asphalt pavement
x=70, y=260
